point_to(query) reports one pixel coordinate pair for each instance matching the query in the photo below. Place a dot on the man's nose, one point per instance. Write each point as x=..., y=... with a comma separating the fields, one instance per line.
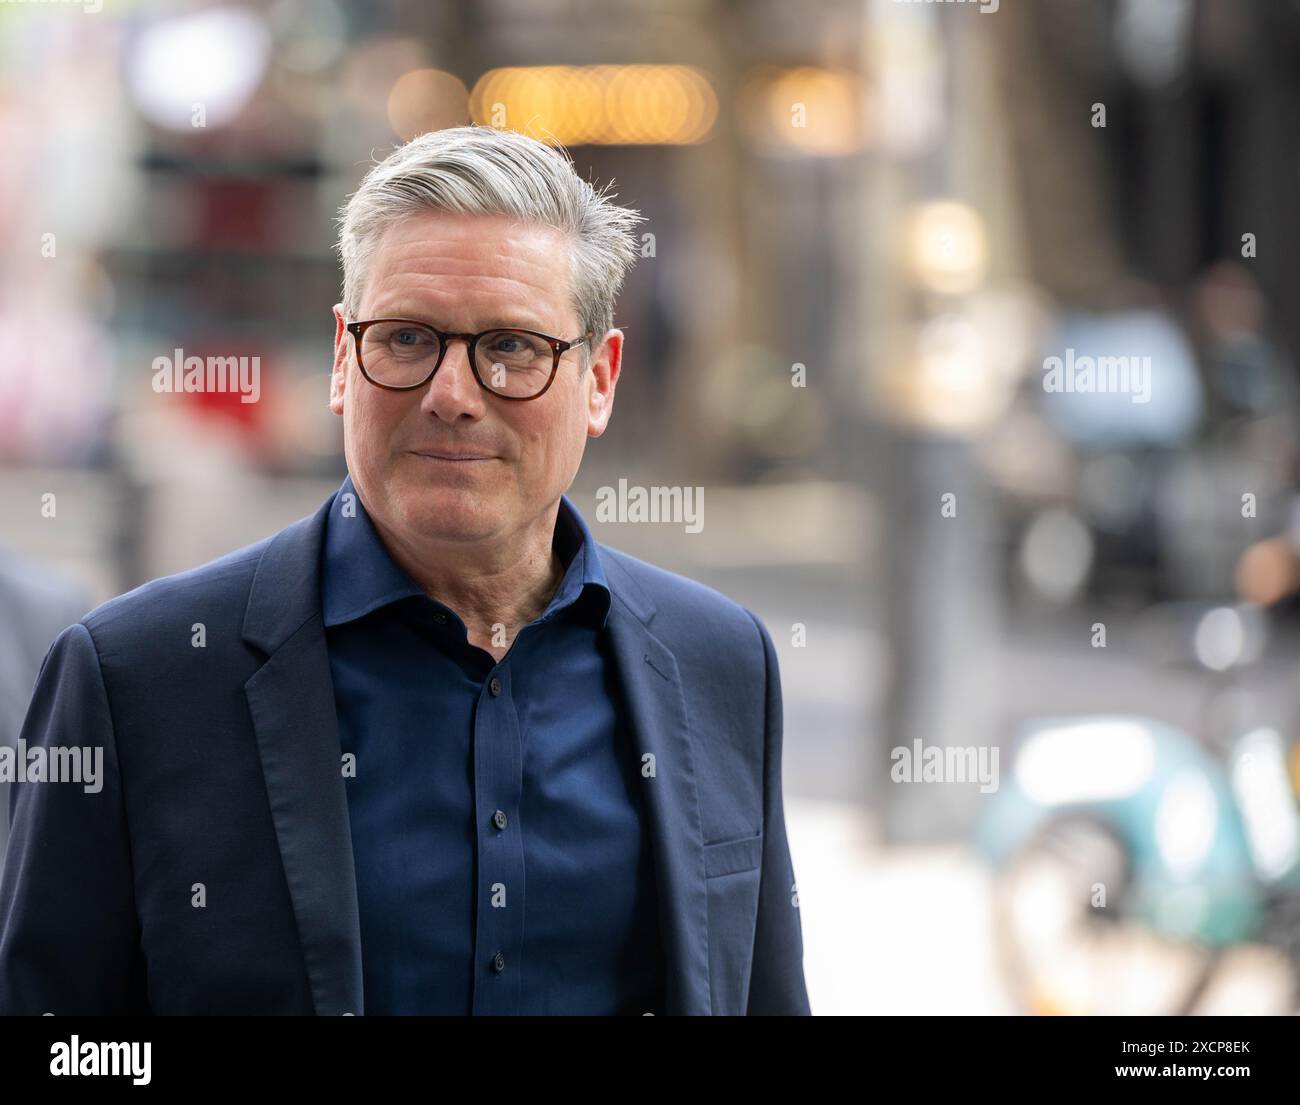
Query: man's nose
x=454, y=390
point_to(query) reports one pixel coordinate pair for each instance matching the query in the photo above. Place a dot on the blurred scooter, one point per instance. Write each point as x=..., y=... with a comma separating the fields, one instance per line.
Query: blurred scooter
x=1132, y=856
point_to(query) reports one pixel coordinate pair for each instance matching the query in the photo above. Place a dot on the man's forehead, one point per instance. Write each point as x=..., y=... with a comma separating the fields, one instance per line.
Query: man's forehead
x=424, y=251
x=446, y=263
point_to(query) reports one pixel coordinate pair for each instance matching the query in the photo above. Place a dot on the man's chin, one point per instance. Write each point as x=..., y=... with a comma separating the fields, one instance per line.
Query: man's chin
x=450, y=513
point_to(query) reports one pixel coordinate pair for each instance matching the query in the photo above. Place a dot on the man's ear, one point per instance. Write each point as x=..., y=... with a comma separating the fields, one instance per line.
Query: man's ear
x=607, y=361
x=339, y=375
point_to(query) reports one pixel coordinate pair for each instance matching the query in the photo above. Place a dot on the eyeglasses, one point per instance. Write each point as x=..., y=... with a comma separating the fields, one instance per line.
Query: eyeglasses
x=400, y=355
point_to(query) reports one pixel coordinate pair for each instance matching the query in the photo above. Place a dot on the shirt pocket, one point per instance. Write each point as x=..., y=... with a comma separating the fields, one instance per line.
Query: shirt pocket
x=730, y=857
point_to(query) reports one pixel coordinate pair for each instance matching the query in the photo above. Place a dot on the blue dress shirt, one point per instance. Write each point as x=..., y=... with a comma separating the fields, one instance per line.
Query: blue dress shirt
x=503, y=860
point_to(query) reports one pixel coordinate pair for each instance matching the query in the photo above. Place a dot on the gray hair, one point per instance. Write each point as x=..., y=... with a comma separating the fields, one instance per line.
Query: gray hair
x=479, y=170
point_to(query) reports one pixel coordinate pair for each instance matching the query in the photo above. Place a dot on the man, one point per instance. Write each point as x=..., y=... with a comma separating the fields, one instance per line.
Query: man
x=432, y=749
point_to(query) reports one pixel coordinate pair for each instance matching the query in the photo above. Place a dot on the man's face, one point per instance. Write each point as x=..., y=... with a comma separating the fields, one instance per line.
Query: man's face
x=467, y=273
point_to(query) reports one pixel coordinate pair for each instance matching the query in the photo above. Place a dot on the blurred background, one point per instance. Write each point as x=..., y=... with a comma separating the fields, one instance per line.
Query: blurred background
x=1037, y=627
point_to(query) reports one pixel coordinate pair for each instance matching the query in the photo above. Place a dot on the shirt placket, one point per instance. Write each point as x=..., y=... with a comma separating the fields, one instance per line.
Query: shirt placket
x=498, y=786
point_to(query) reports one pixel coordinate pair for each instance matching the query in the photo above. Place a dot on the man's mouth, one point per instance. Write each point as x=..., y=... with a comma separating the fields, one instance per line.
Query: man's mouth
x=452, y=456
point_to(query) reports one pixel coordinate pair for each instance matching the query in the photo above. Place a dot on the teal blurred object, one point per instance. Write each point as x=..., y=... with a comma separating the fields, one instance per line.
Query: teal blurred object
x=1194, y=871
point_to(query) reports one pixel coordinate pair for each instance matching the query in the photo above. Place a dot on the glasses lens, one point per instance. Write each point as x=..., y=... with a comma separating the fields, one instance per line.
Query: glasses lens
x=514, y=363
x=399, y=353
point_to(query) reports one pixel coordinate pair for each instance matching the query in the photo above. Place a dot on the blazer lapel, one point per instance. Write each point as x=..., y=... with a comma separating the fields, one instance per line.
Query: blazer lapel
x=291, y=699
x=657, y=711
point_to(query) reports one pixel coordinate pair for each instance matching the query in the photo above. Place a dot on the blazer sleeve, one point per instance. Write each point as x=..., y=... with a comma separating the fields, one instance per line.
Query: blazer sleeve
x=776, y=984
x=69, y=935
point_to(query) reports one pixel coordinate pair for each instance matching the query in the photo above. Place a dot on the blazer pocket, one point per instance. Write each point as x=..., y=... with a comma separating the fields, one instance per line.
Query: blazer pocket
x=729, y=857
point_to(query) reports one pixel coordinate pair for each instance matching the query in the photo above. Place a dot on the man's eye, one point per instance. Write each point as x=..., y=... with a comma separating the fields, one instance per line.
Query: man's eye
x=409, y=337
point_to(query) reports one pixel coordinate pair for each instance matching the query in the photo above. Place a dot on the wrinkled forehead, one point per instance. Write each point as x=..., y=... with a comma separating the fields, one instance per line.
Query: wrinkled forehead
x=469, y=263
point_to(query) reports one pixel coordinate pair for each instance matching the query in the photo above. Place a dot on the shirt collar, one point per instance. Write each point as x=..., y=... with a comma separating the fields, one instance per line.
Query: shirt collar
x=359, y=575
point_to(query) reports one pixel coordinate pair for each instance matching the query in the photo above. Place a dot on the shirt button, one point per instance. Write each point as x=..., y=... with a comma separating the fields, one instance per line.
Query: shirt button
x=498, y=962
x=499, y=819
x=495, y=686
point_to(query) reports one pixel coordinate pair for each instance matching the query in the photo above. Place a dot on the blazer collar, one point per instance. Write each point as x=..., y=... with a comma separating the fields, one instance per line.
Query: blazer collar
x=291, y=701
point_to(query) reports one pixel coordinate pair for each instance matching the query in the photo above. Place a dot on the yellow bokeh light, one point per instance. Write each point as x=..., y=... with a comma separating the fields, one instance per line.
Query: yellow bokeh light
x=598, y=104
x=946, y=247
x=807, y=110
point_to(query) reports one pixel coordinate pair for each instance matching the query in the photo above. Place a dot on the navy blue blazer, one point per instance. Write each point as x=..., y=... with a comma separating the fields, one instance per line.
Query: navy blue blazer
x=213, y=872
